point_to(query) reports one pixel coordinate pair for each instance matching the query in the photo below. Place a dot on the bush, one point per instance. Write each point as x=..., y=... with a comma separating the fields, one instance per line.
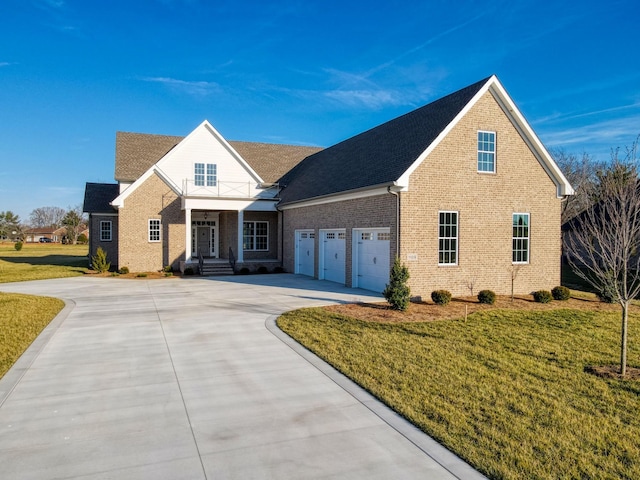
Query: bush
x=487, y=296
x=17, y=246
x=168, y=274
x=542, y=296
x=123, y=270
x=397, y=291
x=561, y=293
x=82, y=238
x=168, y=269
x=278, y=270
x=441, y=297
x=141, y=275
x=188, y=271
x=607, y=295
x=263, y=269
x=245, y=271
x=99, y=261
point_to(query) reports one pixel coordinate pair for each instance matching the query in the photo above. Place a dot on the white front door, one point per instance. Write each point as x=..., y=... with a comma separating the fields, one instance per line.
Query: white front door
x=331, y=263
x=371, y=251
x=305, y=252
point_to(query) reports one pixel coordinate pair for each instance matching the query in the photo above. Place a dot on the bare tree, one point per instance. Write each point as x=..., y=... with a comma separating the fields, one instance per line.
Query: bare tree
x=47, y=217
x=582, y=175
x=603, y=243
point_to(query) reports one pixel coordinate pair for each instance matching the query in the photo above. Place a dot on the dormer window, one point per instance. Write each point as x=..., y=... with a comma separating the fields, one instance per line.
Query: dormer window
x=486, y=152
x=205, y=174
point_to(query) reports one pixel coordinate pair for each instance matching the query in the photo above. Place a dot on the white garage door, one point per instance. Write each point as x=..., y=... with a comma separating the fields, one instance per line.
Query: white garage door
x=305, y=252
x=332, y=256
x=371, y=254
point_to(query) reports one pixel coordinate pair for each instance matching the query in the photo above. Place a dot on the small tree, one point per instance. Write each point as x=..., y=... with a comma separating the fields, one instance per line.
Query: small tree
x=99, y=261
x=72, y=221
x=397, y=291
x=603, y=244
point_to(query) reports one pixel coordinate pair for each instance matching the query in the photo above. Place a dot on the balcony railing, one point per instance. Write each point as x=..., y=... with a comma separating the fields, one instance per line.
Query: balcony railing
x=230, y=190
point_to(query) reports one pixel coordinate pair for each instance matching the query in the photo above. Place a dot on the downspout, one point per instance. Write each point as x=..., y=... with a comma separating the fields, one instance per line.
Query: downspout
x=397, y=195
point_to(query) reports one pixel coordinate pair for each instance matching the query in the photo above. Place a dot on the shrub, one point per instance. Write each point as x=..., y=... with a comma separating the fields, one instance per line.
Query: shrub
x=487, y=296
x=441, y=297
x=397, y=291
x=168, y=269
x=99, y=261
x=607, y=295
x=17, y=246
x=123, y=270
x=245, y=271
x=141, y=275
x=542, y=296
x=561, y=293
x=168, y=274
x=263, y=269
x=82, y=238
x=278, y=270
x=188, y=271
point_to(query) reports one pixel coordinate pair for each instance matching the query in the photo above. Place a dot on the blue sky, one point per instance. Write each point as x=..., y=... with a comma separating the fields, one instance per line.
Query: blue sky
x=73, y=72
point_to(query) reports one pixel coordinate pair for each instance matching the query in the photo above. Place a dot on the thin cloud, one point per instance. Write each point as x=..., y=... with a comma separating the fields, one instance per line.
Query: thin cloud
x=613, y=133
x=196, y=88
x=371, y=99
x=4, y=64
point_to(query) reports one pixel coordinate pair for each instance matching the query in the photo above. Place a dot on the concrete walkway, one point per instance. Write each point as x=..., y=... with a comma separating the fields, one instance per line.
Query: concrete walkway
x=190, y=379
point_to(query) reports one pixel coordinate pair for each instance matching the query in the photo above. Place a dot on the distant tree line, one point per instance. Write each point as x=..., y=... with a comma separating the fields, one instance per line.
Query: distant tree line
x=12, y=228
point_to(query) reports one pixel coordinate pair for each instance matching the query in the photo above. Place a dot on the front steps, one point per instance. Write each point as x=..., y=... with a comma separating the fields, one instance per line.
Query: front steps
x=216, y=269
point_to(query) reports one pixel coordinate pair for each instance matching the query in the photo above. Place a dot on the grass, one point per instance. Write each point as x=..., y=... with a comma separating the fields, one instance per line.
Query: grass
x=22, y=318
x=506, y=390
x=41, y=260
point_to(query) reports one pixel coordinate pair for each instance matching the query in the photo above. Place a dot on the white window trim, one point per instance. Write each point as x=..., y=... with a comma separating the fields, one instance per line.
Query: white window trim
x=110, y=231
x=528, y=238
x=255, y=236
x=150, y=230
x=494, y=152
x=457, y=238
x=205, y=176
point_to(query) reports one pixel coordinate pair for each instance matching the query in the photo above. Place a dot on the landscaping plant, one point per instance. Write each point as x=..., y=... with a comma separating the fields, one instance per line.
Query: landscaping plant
x=487, y=297
x=542, y=296
x=561, y=293
x=441, y=297
x=397, y=291
x=99, y=261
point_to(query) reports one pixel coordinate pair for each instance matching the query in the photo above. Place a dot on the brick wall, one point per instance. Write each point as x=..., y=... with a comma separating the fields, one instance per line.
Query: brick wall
x=448, y=180
x=151, y=200
x=370, y=212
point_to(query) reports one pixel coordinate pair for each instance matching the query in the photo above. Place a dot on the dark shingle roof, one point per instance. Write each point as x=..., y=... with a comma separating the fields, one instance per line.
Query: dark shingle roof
x=378, y=156
x=98, y=197
x=137, y=152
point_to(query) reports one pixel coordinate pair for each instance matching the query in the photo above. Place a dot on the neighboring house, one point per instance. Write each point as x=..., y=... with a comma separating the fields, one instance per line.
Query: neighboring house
x=35, y=234
x=462, y=190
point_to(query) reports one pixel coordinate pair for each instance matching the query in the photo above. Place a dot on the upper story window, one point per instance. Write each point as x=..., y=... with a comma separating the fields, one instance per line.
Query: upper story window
x=205, y=174
x=448, y=238
x=154, y=230
x=487, y=152
x=105, y=231
x=520, y=239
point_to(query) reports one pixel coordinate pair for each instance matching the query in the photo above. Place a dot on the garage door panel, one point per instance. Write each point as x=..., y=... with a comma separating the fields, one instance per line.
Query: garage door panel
x=333, y=243
x=372, y=258
x=305, y=252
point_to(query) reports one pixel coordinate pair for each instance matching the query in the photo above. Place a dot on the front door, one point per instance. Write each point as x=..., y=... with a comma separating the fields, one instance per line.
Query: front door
x=204, y=241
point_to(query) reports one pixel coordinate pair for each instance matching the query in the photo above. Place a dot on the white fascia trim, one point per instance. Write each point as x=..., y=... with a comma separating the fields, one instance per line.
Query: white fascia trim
x=200, y=203
x=369, y=192
x=404, y=179
x=506, y=103
x=118, y=202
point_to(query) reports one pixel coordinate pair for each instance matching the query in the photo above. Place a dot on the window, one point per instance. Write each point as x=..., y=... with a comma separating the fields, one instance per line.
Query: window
x=255, y=236
x=211, y=177
x=448, y=238
x=384, y=236
x=487, y=152
x=105, y=231
x=520, y=238
x=154, y=230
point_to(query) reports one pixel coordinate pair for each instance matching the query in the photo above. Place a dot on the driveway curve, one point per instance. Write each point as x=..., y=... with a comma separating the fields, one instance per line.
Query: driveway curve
x=190, y=379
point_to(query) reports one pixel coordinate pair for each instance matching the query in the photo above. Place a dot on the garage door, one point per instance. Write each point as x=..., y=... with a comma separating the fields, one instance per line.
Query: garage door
x=305, y=252
x=332, y=256
x=371, y=254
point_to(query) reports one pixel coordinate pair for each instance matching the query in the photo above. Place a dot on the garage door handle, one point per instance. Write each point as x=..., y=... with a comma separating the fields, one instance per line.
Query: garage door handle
x=374, y=260
x=336, y=256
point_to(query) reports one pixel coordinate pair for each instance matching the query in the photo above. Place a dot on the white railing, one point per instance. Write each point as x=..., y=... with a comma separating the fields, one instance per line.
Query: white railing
x=230, y=190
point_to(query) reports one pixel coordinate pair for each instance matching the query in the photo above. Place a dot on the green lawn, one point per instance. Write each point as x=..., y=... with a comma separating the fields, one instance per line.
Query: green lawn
x=22, y=318
x=506, y=390
x=42, y=260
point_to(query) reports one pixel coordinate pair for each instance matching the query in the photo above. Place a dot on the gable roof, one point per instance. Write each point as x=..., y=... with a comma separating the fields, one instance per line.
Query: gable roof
x=379, y=156
x=98, y=197
x=137, y=152
x=386, y=155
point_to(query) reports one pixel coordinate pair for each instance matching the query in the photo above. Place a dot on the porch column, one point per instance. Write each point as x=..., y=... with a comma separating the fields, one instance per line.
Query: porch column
x=240, y=252
x=187, y=239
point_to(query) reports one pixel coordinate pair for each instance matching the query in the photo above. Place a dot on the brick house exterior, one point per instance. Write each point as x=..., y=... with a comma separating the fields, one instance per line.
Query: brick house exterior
x=461, y=190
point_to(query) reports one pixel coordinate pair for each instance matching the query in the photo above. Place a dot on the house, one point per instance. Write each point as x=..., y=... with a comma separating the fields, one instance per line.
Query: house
x=461, y=190
x=37, y=234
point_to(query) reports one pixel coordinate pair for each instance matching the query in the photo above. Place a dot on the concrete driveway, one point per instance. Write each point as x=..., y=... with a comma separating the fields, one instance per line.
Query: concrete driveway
x=190, y=379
